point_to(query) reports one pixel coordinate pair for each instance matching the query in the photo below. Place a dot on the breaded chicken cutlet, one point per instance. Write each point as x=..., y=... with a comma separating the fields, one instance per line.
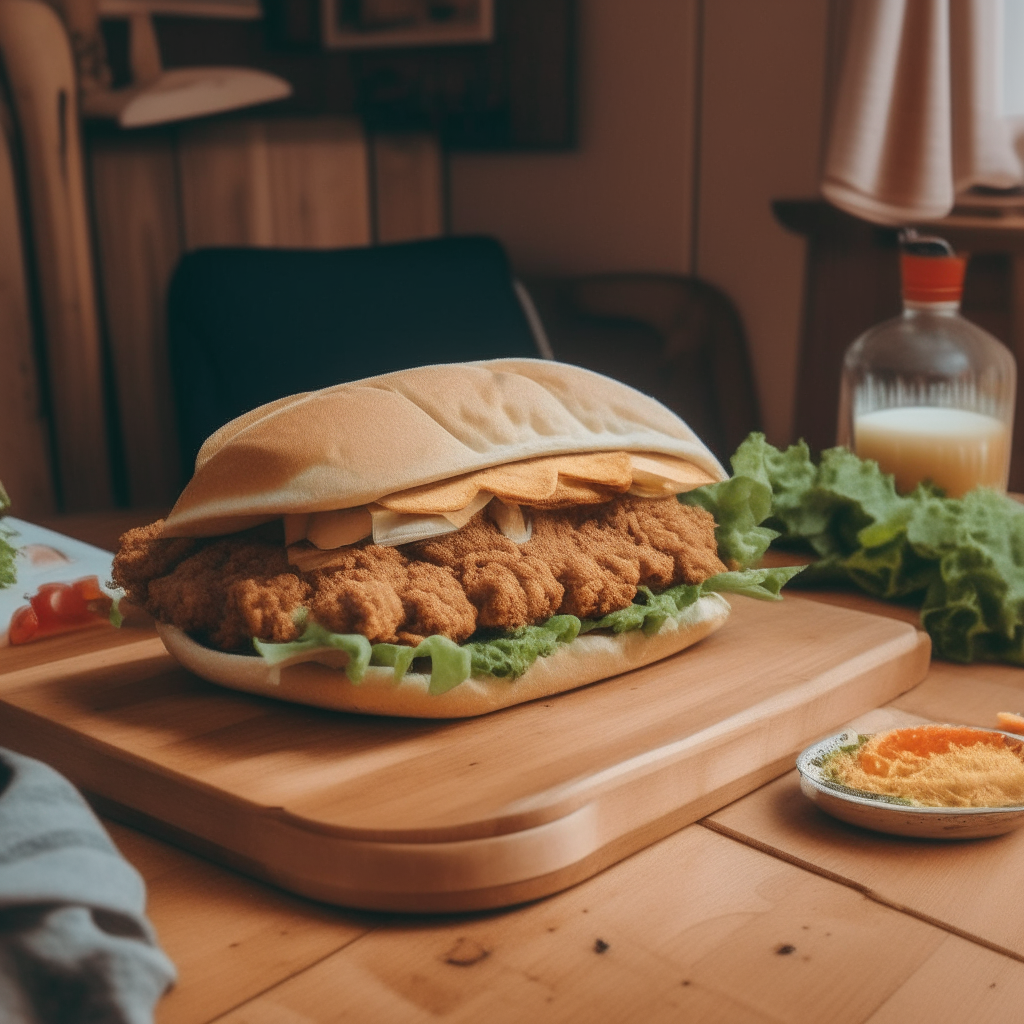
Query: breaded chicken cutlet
x=586, y=561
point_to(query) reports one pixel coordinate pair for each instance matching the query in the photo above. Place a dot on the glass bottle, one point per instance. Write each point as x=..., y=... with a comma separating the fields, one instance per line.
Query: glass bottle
x=929, y=395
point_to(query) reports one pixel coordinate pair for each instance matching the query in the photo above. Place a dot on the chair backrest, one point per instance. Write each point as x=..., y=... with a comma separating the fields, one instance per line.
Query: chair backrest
x=247, y=326
x=677, y=338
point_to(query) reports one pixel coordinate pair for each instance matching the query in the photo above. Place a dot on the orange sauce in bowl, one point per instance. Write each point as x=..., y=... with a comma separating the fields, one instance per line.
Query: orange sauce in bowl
x=936, y=766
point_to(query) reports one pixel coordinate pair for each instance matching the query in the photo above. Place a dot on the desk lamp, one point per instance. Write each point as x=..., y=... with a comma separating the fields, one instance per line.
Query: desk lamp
x=157, y=96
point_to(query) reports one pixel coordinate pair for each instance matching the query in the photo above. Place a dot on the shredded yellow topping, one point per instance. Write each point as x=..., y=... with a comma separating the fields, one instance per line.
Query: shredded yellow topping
x=935, y=766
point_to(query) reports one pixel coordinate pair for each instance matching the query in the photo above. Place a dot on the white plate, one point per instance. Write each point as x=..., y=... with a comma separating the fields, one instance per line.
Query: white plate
x=70, y=560
x=884, y=814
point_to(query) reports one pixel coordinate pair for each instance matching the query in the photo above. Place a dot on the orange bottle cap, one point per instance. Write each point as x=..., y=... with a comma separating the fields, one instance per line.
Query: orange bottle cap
x=932, y=278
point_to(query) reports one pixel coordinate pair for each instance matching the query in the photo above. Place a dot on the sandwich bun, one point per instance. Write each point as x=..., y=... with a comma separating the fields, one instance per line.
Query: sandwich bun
x=355, y=443
x=584, y=660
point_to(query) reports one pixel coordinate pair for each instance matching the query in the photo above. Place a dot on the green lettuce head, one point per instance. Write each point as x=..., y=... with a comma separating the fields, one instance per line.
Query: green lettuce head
x=960, y=559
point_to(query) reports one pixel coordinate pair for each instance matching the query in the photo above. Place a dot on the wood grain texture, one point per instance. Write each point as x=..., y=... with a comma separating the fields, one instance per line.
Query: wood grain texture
x=694, y=928
x=300, y=182
x=41, y=76
x=99, y=649
x=319, y=179
x=408, y=178
x=138, y=234
x=431, y=815
x=25, y=467
x=960, y=885
x=228, y=936
x=225, y=183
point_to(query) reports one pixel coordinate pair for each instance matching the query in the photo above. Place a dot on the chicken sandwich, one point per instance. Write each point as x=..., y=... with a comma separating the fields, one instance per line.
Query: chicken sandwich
x=437, y=542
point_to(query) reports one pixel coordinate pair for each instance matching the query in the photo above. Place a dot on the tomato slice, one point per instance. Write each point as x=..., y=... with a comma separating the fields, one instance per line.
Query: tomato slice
x=60, y=608
x=24, y=625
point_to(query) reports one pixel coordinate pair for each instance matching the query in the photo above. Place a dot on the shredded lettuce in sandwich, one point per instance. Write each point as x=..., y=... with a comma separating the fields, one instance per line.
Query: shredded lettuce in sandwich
x=962, y=559
x=738, y=512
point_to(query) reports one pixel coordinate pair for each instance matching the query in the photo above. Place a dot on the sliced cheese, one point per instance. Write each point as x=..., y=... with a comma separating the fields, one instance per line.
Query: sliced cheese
x=307, y=558
x=392, y=528
x=295, y=526
x=463, y=516
x=522, y=481
x=556, y=481
x=571, y=492
x=340, y=528
x=609, y=469
x=434, y=510
x=657, y=476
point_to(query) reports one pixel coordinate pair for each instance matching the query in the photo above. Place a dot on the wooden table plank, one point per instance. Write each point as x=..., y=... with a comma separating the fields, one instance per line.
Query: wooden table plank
x=696, y=927
x=965, y=694
x=229, y=936
x=959, y=982
x=963, y=886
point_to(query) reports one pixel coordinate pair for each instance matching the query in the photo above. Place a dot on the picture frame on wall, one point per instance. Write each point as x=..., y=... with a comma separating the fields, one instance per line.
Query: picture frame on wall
x=385, y=24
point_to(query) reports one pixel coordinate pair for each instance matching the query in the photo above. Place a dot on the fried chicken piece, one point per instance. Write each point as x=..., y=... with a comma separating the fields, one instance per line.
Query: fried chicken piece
x=229, y=591
x=435, y=603
x=507, y=586
x=143, y=556
x=586, y=561
x=378, y=592
x=370, y=607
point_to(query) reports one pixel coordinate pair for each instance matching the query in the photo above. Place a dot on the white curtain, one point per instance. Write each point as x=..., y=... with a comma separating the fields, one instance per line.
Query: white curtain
x=920, y=113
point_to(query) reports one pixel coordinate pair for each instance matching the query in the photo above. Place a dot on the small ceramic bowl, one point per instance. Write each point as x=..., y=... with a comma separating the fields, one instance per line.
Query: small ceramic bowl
x=885, y=814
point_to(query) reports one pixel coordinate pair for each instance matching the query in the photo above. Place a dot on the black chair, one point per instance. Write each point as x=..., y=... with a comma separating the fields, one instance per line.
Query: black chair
x=677, y=338
x=248, y=326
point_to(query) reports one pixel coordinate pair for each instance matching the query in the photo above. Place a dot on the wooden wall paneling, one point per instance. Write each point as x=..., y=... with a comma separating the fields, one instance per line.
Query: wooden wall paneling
x=319, y=182
x=41, y=76
x=138, y=228
x=852, y=283
x=225, y=183
x=408, y=182
x=296, y=182
x=24, y=443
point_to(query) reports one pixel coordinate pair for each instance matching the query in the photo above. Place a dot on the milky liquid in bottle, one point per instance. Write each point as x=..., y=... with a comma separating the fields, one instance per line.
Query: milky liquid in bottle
x=929, y=395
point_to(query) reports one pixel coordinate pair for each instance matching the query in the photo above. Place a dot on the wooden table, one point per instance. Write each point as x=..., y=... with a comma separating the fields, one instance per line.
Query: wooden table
x=766, y=911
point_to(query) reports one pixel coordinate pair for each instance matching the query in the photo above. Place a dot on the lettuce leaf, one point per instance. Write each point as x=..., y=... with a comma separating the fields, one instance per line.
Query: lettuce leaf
x=507, y=655
x=739, y=505
x=450, y=664
x=8, y=554
x=961, y=558
x=314, y=640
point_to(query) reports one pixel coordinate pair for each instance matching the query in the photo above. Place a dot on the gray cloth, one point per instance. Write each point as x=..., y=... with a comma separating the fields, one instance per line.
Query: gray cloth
x=75, y=946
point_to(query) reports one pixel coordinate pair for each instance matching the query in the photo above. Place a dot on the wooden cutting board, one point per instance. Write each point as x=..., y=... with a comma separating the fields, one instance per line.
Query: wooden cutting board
x=449, y=815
